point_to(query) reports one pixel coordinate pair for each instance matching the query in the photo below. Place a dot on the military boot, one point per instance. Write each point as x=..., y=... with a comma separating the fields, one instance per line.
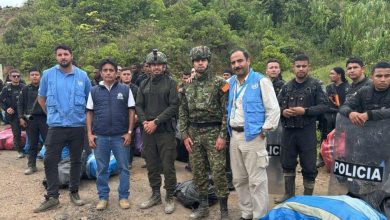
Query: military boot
x=289, y=187
x=30, y=170
x=308, y=187
x=49, y=203
x=203, y=209
x=155, y=199
x=75, y=199
x=223, y=207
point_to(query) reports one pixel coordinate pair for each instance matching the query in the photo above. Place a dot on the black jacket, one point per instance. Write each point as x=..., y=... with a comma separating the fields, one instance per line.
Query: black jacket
x=157, y=98
x=27, y=103
x=367, y=99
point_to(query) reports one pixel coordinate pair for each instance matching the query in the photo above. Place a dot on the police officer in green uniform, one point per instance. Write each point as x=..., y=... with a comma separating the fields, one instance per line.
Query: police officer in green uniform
x=156, y=106
x=202, y=118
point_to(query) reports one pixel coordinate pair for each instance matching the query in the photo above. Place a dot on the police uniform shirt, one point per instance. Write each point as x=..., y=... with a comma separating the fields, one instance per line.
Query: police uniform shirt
x=130, y=101
x=270, y=102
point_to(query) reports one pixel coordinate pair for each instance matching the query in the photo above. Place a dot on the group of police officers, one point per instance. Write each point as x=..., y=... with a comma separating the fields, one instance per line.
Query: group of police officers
x=199, y=107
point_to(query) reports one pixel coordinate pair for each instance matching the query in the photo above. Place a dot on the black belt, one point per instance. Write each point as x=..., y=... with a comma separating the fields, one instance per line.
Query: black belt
x=238, y=129
x=205, y=124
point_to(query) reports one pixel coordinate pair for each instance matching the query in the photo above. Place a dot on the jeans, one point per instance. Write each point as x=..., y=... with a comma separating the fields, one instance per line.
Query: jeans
x=56, y=139
x=104, y=146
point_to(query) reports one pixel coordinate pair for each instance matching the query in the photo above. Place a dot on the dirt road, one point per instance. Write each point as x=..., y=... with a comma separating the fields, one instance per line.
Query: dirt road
x=20, y=194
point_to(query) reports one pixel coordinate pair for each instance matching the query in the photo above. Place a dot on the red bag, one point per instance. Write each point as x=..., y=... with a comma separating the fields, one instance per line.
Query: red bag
x=328, y=148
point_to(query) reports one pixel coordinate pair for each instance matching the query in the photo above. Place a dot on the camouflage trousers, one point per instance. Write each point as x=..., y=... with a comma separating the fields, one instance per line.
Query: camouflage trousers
x=204, y=153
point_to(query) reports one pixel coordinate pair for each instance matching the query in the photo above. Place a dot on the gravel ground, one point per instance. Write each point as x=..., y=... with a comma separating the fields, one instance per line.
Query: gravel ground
x=20, y=194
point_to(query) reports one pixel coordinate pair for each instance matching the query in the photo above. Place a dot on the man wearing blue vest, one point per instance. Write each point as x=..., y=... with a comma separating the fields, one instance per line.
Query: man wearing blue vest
x=252, y=111
x=62, y=95
x=110, y=122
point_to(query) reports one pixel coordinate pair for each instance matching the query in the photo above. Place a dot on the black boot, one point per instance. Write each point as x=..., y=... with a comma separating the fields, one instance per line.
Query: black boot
x=224, y=208
x=203, y=209
x=289, y=187
x=308, y=187
x=155, y=199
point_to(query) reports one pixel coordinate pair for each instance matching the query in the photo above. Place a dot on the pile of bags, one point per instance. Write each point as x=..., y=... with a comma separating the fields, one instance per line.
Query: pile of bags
x=6, y=139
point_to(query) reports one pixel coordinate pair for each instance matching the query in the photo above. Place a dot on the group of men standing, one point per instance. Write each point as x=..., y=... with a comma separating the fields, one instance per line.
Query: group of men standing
x=67, y=111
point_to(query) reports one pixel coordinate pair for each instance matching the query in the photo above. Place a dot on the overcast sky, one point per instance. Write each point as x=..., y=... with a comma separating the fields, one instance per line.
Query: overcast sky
x=14, y=3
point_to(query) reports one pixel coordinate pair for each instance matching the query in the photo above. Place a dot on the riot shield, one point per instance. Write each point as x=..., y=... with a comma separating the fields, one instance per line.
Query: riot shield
x=274, y=169
x=360, y=157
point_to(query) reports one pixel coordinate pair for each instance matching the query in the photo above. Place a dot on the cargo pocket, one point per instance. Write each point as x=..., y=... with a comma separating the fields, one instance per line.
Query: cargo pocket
x=262, y=159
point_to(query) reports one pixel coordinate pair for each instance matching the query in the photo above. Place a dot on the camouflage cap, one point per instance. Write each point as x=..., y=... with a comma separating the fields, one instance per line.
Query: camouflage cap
x=200, y=52
x=156, y=57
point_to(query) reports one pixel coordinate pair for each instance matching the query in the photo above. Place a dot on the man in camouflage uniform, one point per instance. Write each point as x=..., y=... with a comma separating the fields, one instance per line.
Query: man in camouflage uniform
x=156, y=106
x=202, y=117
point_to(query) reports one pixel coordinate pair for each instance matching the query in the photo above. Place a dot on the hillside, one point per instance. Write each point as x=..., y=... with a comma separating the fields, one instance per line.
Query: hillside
x=328, y=31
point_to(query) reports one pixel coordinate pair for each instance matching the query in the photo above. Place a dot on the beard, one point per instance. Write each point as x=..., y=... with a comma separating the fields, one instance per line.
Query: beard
x=65, y=64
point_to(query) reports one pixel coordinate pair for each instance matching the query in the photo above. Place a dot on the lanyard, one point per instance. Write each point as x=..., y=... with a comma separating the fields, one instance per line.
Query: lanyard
x=242, y=87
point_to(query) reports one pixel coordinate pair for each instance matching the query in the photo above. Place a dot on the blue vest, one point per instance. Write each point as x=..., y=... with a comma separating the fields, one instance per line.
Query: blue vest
x=110, y=110
x=252, y=101
x=76, y=86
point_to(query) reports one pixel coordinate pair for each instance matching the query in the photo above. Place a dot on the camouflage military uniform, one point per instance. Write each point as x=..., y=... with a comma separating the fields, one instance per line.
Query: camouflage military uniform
x=203, y=118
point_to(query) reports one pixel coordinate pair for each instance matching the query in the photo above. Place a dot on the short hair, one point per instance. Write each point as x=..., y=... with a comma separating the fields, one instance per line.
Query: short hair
x=186, y=73
x=355, y=60
x=34, y=69
x=126, y=68
x=245, y=52
x=273, y=60
x=228, y=71
x=380, y=65
x=108, y=61
x=301, y=57
x=13, y=71
x=64, y=47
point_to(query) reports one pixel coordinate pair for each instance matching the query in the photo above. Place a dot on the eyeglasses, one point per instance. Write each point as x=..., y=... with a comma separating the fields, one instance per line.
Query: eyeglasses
x=15, y=76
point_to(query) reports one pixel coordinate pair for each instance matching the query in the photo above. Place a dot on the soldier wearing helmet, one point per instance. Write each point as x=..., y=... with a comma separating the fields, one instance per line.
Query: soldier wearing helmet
x=156, y=106
x=202, y=118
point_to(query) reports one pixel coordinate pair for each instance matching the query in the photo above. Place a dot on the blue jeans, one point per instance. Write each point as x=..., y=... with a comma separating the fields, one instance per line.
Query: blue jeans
x=104, y=146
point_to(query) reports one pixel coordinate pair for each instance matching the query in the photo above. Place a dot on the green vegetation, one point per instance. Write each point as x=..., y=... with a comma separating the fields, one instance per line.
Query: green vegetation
x=326, y=30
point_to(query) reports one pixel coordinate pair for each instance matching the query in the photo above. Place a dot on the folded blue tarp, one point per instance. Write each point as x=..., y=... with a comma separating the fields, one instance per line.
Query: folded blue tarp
x=324, y=207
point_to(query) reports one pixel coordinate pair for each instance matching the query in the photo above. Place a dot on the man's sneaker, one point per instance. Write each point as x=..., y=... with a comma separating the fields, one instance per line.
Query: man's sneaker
x=155, y=199
x=49, y=203
x=75, y=199
x=124, y=203
x=169, y=206
x=30, y=170
x=102, y=204
x=21, y=155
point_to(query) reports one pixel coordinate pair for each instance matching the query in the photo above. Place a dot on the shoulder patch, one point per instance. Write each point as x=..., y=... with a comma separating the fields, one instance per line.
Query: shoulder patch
x=225, y=87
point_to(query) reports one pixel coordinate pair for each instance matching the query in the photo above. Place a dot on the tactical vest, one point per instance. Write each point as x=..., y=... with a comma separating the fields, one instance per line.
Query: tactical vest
x=302, y=97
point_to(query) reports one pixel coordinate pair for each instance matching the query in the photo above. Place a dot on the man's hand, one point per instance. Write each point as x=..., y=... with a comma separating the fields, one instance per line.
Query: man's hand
x=10, y=111
x=298, y=111
x=126, y=139
x=188, y=144
x=287, y=113
x=150, y=127
x=91, y=141
x=262, y=134
x=220, y=143
x=22, y=123
x=358, y=118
